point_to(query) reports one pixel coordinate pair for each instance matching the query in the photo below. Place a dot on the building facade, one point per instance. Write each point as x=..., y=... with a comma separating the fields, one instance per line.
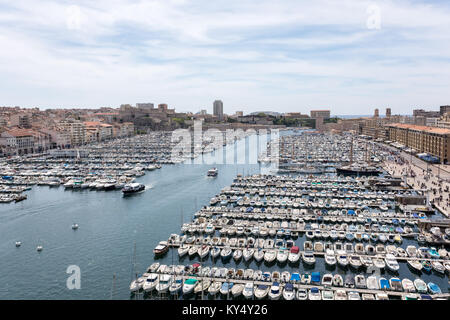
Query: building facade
x=320, y=114
x=431, y=140
x=17, y=142
x=218, y=109
x=76, y=129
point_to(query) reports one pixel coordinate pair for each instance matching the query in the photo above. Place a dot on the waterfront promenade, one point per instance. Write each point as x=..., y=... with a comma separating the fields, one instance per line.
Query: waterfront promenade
x=435, y=185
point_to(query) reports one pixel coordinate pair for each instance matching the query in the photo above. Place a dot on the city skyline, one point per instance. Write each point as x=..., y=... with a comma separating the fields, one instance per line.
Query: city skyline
x=297, y=58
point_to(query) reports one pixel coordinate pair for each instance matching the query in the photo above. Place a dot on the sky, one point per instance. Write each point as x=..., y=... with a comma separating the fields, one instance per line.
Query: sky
x=349, y=56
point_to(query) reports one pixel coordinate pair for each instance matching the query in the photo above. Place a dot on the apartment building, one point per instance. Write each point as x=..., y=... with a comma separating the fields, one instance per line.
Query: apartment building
x=17, y=142
x=76, y=129
x=431, y=140
x=320, y=114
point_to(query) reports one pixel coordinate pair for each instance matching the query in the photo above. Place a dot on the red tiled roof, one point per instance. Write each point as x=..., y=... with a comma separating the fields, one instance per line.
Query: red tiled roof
x=420, y=128
x=20, y=132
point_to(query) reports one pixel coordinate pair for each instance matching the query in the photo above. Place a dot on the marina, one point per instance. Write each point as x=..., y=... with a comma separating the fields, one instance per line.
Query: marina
x=354, y=224
x=244, y=232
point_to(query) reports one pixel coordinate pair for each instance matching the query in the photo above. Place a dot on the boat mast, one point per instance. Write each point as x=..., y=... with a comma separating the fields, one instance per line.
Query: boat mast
x=113, y=287
x=351, y=151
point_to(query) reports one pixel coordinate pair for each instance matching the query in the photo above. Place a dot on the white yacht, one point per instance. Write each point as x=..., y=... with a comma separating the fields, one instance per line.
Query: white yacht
x=164, y=282
x=248, y=290
x=150, y=282
x=176, y=285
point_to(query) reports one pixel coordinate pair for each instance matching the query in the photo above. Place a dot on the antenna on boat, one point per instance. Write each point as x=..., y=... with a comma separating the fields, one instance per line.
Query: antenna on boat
x=133, y=271
x=113, y=287
x=351, y=150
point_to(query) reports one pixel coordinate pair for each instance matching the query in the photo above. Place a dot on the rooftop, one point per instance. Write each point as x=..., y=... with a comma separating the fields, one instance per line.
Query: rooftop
x=420, y=128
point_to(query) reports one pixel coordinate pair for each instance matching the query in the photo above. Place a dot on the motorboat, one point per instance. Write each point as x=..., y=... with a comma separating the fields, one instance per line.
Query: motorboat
x=183, y=250
x=338, y=281
x=258, y=255
x=378, y=263
x=381, y=296
x=308, y=258
x=416, y=265
x=275, y=291
x=203, y=251
x=396, y=284
x=327, y=280
x=314, y=294
x=340, y=295
x=342, y=259
x=408, y=285
x=330, y=258
x=213, y=172
x=226, y=253
x=248, y=253
x=176, y=285
x=137, y=284
x=189, y=285
x=161, y=249
x=305, y=278
x=372, y=283
x=248, y=290
x=355, y=261
x=150, y=282
x=437, y=266
x=282, y=255
x=294, y=254
x=327, y=295
x=237, y=289
x=237, y=255
x=302, y=294
x=349, y=281
x=353, y=295
x=193, y=250
x=366, y=261
x=360, y=281
x=434, y=288
x=420, y=285
x=270, y=256
x=384, y=284
x=261, y=291
x=226, y=287
x=153, y=267
x=288, y=292
x=215, y=252
x=391, y=263
x=164, y=282
x=133, y=188
x=214, y=287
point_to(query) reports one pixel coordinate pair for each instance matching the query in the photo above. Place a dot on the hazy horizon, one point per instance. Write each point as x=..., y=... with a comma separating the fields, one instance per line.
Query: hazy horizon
x=291, y=55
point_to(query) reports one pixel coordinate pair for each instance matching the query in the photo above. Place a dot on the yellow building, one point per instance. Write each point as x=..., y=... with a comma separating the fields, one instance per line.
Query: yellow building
x=431, y=140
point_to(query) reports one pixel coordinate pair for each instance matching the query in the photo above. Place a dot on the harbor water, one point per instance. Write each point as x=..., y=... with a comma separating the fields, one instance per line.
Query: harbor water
x=111, y=226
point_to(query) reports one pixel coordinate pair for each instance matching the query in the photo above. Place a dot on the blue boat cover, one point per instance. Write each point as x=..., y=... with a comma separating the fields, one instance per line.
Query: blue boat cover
x=351, y=212
x=426, y=297
x=295, y=277
x=384, y=284
x=262, y=286
x=314, y=290
x=315, y=276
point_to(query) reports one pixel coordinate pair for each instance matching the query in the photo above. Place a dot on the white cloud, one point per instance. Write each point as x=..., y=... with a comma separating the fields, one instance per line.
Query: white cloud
x=289, y=55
